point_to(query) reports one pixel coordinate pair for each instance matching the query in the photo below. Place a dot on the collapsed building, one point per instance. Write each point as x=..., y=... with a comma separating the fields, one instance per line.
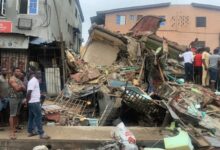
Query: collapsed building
x=130, y=77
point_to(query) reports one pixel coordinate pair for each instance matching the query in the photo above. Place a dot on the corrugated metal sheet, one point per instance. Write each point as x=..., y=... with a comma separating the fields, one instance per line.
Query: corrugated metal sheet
x=146, y=24
x=53, y=81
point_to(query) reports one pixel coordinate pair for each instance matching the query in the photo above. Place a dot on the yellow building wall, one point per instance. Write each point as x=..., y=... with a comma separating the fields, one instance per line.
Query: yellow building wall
x=180, y=25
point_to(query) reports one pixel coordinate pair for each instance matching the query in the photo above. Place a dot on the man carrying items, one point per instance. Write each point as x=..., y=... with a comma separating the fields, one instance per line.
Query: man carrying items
x=16, y=94
x=188, y=64
x=214, y=66
x=34, y=105
x=205, y=66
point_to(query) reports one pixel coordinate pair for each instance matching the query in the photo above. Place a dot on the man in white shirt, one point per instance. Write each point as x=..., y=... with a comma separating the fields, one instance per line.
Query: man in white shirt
x=33, y=100
x=188, y=64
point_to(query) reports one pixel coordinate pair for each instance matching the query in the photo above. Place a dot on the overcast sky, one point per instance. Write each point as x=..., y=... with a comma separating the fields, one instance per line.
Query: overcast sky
x=90, y=7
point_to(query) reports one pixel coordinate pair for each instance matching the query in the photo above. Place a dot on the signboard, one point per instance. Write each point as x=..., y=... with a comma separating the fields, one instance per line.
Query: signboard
x=5, y=26
x=14, y=41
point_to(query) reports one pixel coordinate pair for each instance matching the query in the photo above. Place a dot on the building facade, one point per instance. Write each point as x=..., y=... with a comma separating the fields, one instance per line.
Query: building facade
x=39, y=31
x=183, y=23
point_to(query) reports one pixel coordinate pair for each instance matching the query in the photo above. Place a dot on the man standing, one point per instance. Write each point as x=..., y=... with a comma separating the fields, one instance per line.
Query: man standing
x=15, y=95
x=205, y=65
x=33, y=100
x=4, y=88
x=214, y=66
x=198, y=67
x=188, y=64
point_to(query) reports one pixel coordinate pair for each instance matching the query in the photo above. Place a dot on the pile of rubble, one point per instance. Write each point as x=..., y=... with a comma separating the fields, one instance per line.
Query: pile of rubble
x=132, y=78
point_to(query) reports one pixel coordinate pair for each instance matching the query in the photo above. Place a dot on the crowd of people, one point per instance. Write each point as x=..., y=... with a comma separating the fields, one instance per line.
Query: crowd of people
x=202, y=66
x=21, y=90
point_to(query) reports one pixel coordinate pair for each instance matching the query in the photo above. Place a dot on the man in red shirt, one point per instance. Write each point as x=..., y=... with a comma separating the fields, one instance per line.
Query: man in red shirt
x=198, y=67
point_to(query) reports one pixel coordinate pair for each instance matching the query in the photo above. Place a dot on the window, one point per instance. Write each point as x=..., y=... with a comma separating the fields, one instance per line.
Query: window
x=200, y=21
x=139, y=17
x=76, y=12
x=162, y=22
x=28, y=7
x=2, y=7
x=33, y=6
x=133, y=18
x=120, y=20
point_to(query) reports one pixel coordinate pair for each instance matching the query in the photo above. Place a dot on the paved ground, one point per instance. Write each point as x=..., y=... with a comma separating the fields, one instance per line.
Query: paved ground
x=76, y=138
x=86, y=133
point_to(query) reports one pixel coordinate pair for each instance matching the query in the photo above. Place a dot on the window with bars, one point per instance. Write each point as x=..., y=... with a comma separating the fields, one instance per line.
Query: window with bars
x=200, y=21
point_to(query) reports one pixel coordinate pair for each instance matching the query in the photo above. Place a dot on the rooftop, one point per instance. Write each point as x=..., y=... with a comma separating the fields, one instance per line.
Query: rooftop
x=135, y=8
x=198, y=5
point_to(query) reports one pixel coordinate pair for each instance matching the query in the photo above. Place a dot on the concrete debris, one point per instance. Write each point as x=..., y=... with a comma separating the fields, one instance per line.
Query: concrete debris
x=103, y=46
x=136, y=80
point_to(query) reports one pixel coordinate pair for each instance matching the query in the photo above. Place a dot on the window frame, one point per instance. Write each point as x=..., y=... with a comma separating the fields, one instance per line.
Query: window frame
x=199, y=23
x=119, y=22
x=28, y=8
x=37, y=7
x=3, y=8
x=162, y=24
x=76, y=13
x=139, y=17
x=133, y=18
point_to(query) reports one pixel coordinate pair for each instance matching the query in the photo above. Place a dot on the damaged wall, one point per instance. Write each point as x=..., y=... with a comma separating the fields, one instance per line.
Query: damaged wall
x=103, y=46
x=100, y=53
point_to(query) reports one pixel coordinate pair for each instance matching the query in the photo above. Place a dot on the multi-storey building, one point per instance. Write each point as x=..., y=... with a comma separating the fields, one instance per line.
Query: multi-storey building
x=39, y=31
x=183, y=23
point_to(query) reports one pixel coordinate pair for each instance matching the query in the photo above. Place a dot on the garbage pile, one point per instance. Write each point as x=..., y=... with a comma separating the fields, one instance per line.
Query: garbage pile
x=133, y=78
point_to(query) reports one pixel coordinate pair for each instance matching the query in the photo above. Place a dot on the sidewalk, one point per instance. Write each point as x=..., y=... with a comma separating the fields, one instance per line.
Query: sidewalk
x=75, y=137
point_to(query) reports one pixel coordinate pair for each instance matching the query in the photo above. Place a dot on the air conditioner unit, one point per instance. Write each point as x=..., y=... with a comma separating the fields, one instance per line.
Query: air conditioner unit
x=24, y=24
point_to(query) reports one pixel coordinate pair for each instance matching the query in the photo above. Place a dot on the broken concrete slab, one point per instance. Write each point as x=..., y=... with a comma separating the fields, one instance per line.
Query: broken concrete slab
x=103, y=46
